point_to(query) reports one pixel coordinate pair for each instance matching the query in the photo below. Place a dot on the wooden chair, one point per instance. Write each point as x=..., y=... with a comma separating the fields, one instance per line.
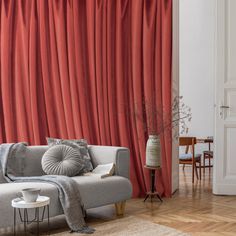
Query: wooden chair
x=190, y=158
x=207, y=155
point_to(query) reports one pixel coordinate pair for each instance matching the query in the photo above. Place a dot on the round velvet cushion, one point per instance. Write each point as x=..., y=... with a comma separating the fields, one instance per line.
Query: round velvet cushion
x=61, y=160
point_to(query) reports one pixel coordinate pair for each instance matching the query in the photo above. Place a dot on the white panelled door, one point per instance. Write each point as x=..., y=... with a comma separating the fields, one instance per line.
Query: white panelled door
x=224, y=179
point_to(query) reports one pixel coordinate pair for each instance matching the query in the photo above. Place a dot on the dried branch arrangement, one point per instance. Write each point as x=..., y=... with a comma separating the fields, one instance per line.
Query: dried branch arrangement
x=157, y=119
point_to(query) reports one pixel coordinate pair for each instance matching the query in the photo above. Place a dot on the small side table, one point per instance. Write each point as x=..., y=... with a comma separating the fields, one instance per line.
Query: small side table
x=153, y=191
x=20, y=204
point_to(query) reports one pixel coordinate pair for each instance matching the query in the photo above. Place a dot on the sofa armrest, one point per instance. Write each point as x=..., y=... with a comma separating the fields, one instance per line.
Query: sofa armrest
x=108, y=154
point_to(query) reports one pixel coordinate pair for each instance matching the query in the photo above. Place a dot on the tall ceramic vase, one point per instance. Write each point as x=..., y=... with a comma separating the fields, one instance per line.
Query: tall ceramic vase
x=153, y=151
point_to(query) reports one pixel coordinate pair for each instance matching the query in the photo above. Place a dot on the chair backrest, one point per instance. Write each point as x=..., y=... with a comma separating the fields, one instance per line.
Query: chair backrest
x=188, y=142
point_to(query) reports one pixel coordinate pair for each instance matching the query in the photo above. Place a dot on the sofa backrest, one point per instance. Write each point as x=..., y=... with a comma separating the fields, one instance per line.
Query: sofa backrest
x=31, y=156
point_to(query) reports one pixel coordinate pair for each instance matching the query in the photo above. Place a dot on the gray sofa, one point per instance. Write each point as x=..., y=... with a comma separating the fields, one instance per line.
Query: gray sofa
x=95, y=192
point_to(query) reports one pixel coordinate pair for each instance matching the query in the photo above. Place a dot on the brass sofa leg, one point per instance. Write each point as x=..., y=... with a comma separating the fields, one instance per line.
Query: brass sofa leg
x=120, y=208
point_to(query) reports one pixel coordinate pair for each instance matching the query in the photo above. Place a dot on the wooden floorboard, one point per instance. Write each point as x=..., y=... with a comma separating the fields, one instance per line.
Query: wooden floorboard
x=193, y=209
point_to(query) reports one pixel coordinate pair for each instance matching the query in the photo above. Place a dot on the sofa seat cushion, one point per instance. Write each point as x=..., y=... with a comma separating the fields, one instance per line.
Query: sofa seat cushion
x=96, y=191
x=8, y=192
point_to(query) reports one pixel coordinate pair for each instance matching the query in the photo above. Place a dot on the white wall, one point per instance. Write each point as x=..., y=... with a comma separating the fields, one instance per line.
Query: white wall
x=196, y=60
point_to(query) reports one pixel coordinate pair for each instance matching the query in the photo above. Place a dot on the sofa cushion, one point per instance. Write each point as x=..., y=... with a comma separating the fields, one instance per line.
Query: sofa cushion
x=79, y=145
x=16, y=160
x=25, y=162
x=96, y=191
x=29, y=160
x=62, y=160
x=32, y=158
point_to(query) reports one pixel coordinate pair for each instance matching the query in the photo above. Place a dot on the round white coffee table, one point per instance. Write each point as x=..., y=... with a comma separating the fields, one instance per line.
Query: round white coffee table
x=21, y=205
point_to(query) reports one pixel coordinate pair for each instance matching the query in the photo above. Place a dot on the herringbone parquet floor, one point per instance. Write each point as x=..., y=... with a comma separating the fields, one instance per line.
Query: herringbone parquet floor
x=193, y=209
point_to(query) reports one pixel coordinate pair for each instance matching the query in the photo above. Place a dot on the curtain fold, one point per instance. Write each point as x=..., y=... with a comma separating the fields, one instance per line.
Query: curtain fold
x=97, y=69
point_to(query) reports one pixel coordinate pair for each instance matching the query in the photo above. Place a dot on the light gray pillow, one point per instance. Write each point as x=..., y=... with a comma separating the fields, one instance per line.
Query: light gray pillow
x=62, y=160
x=79, y=145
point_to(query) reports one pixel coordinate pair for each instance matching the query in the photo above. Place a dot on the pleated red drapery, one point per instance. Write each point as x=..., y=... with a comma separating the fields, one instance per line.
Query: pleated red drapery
x=91, y=69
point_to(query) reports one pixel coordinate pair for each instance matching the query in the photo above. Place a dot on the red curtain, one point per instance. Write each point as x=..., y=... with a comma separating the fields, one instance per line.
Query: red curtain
x=96, y=69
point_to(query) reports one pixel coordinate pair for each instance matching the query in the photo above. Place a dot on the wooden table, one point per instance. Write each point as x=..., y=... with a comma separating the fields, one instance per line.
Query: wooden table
x=152, y=193
x=205, y=140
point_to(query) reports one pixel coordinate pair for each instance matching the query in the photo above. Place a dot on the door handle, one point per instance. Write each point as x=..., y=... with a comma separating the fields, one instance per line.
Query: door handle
x=225, y=107
x=222, y=111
